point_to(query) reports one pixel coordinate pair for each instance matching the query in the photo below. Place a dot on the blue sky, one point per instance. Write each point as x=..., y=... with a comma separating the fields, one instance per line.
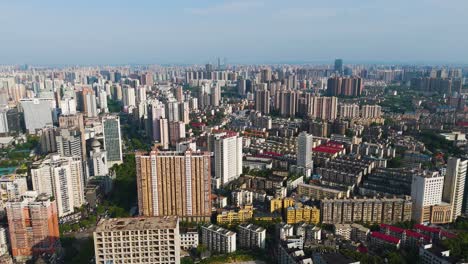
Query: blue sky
x=243, y=31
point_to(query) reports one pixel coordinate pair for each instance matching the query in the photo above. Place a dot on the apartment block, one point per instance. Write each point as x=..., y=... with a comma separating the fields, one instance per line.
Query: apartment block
x=251, y=236
x=218, y=239
x=33, y=226
x=171, y=183
x=367, y=210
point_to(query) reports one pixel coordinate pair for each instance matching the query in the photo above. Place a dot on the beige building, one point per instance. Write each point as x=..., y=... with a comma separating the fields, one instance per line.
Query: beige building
x=366, y=210
x=137, y=240
x=171, y=183
x=320, y=192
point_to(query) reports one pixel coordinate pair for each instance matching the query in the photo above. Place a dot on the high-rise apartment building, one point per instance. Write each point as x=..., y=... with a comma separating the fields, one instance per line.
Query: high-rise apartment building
x=87, y=99
x=227, y=156
x=262, y=101
x=75, y=122
x=33, y=226
x=325, y=108
x=128, y=96
x=345, y=86
x=304, y=150
x=215, y=95
x=454, y=185
x=69, y=143
x=348, y=110
x=173, y=183
x=184, y=112
x=137, y=240
x=371, y=111
x=218, y=239
x=61, y=178
x=176, y=132
x=172, y=111
x=112, y=139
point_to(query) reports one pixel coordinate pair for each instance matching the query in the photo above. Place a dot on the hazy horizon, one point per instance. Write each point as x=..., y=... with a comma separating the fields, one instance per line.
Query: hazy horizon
x=243, y=31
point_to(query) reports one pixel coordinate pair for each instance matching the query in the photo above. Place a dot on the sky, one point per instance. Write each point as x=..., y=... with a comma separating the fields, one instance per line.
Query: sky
x=86, y=32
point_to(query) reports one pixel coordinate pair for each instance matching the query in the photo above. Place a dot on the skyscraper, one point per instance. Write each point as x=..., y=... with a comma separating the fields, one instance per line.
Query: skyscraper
x=173, y=183
x=339, y=66
x=112, y=139
x=228, y=156
x=262, y=101
x=33, y=226
x=304, y=150
x=454, y=185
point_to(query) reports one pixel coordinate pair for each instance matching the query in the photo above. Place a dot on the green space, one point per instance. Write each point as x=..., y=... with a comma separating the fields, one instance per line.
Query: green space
x=437, y=143
x=77, y=250
x=239, y=256
x=114, y=106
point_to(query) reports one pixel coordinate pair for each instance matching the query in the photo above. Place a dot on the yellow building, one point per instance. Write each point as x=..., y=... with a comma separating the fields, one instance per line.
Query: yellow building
x=298, y=213
x=280, y=204
x=233, y=216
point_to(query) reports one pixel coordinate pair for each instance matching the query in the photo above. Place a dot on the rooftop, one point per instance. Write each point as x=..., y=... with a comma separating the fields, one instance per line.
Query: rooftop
x=329, y=147
x=385, y=237
x=137, y=223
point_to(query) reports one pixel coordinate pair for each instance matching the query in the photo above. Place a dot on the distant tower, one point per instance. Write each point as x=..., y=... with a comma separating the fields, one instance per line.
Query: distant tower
x=339, y=66
x=304, y=150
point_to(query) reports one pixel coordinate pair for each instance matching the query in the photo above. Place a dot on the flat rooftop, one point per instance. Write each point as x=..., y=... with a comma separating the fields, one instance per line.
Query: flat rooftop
x=137, y=223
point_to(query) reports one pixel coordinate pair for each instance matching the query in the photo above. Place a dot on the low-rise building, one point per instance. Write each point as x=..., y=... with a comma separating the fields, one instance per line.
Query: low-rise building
x=319, y=192
x=251, y=236
x=432, y=254
x=302, y=213
x=343, y=230
x=381, y=240
x=359, y=233
x=188, y=238
x=218, y=239
x=235, y=216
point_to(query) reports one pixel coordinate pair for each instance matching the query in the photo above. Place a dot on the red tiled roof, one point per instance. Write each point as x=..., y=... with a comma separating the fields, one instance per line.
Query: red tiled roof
x=392, y=228
x=462, y=123
x=361, y=248
x=427, y=228
x=448, y=234
x=329, y=147
x=415, y=234
x=385, y=237
x=197, y=124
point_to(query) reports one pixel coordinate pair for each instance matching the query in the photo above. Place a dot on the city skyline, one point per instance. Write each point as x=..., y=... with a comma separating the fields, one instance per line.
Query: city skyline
x=256, y=31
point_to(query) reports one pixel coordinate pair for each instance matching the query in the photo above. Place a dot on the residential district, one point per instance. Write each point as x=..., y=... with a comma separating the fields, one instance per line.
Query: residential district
x=218, y=163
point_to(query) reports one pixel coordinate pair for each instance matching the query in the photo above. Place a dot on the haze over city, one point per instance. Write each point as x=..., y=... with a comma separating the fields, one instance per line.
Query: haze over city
x=245, y=31
x=234, y=131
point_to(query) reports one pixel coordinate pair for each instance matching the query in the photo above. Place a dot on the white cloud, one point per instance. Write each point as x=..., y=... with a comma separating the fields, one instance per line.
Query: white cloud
x=227, y=7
